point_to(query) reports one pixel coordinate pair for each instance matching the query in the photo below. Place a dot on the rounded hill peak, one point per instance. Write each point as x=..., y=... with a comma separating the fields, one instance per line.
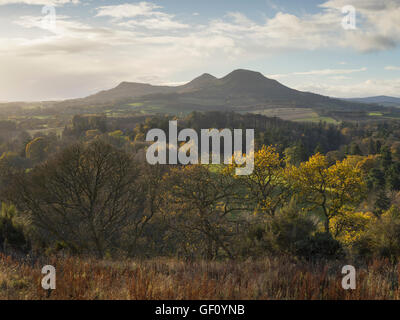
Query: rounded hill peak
x=243, y=74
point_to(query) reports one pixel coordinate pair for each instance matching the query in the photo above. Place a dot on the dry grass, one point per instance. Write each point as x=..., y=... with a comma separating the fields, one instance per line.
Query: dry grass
x=274, y=278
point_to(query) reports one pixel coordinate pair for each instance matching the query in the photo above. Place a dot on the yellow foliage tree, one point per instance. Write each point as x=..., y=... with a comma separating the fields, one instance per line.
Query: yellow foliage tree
x=334, y=189
x=265, y=186
x=349, y=227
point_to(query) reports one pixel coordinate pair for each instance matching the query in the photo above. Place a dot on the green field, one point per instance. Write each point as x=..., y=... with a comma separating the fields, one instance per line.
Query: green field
x=319, y=119
x=296, y=114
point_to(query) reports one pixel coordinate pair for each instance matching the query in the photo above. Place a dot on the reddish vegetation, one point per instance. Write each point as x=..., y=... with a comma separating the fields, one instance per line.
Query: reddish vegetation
x=275, y=278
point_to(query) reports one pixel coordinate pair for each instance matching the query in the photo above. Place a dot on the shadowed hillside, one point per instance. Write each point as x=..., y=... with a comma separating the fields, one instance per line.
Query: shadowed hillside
x=241, y=89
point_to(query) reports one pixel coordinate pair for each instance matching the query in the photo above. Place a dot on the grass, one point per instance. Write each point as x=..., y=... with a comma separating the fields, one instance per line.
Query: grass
x=57, y=131
x=296, y=114
x=375, y=114
x=319, y=119
x=288, y=113
x=170, y=279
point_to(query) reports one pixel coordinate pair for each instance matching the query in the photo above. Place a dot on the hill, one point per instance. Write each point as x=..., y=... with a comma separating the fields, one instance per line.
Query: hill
x=240, y=90
x=379, y=100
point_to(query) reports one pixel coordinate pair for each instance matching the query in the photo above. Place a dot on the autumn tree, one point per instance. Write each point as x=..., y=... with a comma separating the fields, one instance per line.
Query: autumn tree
x=264, y=191
x=332, y=189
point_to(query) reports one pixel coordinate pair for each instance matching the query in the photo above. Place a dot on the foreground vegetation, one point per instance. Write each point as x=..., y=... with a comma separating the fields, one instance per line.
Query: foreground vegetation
x=167, y=279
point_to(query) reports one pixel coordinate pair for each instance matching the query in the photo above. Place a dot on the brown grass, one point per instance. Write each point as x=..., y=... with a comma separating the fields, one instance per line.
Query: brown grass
x=273, y=278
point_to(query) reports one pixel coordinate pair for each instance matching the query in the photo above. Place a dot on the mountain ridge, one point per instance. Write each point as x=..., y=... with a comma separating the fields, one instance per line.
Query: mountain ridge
x=241, y=90
x=383, y=100
x=237, y=83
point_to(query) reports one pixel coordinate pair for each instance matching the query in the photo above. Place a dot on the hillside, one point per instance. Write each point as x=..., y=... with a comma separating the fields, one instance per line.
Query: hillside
x=241, y=89
x=380, y=100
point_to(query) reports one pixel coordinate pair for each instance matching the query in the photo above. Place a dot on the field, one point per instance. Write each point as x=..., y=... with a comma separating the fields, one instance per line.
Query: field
x=270, y=278
x=295, y=114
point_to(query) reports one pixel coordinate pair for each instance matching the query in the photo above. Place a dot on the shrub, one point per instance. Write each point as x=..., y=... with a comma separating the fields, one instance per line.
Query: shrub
x=11, y=233
x=382, y=238
x=320, y=246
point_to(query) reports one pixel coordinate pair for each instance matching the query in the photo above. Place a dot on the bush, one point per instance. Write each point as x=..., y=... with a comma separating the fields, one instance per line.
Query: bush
x=11, y=233
x=320, y=246
x=294, y=233
x=382, y=238
x=289, y=228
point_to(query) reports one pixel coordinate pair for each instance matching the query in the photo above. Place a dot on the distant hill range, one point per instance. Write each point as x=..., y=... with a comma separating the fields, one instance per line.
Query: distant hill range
x=379, y=100
x=242, y=90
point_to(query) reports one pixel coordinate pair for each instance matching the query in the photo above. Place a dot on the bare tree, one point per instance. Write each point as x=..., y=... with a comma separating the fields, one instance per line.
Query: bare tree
x=91, y=197
x=200, y=206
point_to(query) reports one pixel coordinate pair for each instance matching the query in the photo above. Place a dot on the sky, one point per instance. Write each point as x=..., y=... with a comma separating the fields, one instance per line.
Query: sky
x=59, y=49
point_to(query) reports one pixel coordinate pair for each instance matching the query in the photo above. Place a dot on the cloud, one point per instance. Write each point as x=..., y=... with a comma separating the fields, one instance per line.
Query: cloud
x=141, y=41
x=76, y=58
x=377, y=28
x=377, y=24
x=367, y=88
x=392, y=68
x=145, y=13
x=39, y=2
x=156, y=23
x=129, y=10
x=322, y=72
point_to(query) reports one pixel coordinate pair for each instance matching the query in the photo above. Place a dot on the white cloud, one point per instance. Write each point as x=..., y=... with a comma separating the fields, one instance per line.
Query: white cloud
x=77, y=59
x=392, y=68
x=129, y=10
x=39, y=2
x=322, y=72
x=156, y=23
x=377, y=28
x=366, y=88
x=145, y=13
x=377, y=24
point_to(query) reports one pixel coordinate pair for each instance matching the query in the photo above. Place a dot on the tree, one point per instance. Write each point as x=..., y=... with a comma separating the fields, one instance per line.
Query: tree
x=382, y=202
x=355, y=149
x=12, y=159
x=386, y=157
x=318, y=149
x=36, y=149
x=265, y=189
x=88, y=196
x=393, y=176
x=376, y=179
x=371, y=146
x=198, y=205
x=332, y=189
x=11, y=231
x=295, y=154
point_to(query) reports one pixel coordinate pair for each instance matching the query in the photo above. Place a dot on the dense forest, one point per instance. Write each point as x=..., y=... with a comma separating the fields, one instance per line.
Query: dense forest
x=318, y=191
